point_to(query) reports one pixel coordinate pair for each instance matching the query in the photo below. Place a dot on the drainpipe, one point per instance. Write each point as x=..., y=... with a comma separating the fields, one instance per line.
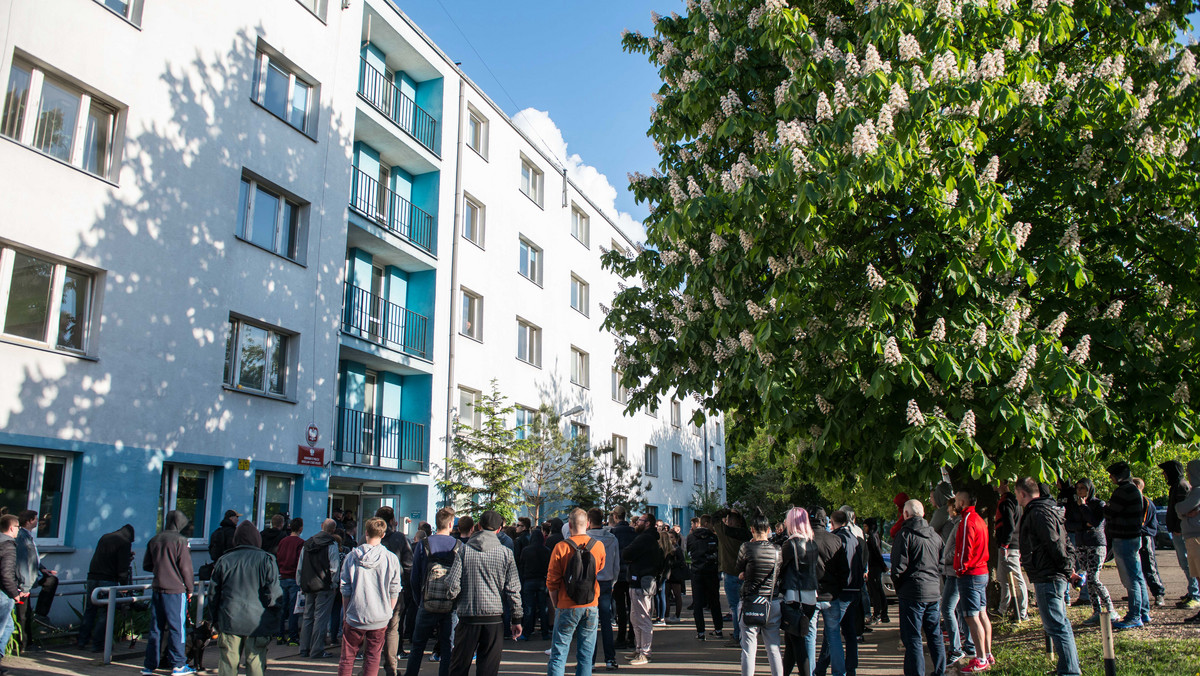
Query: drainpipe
x=458, y=200
x=564, y=175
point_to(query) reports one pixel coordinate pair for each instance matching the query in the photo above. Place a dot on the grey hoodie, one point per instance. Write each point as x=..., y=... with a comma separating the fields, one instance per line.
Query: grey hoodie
x=943, y=493
x=612, y=554
x=370, y=586
x=1190, y=526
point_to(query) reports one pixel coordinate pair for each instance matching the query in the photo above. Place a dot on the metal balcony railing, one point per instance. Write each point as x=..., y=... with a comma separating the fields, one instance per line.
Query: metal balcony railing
x=386, y=97
x=382, y=321
x=377, y=441
x=391, y=211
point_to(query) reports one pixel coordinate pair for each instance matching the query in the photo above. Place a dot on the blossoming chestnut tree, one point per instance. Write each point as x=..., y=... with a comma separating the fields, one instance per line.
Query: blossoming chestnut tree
x=905, y=235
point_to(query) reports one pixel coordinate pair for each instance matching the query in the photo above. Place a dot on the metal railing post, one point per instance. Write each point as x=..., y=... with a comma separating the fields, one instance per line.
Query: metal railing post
x=109, y=626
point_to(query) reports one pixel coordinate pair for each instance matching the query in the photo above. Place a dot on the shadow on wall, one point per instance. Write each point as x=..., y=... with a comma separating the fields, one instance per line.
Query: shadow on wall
x=174, y=270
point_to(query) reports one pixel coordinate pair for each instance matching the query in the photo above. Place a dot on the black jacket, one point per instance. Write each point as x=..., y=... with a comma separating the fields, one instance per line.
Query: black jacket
x=221, y=539
x=1126, y=510
x=8, y=567
x=1046, y=552
x=798, y=569
x=841, y=563
x=644, y=555
x=1178, y=488
x=624, y=533
x=1150, y=525
x=534, y=563
x=916, y=568
x=113, y=556
x=1008, y=515
x=315, y=567
x=245, y=594
x=1086, y=521
x=677, y=566
x=759, y=561
x=168, y=557
x=703, y=549
x=271, y=537
x=875, y=563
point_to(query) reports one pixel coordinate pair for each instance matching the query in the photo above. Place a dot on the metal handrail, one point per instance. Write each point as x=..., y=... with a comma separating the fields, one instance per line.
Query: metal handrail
x=382, y=205
x=387, y=98
x=200, y=592
x=383, y=321
x=368, y=439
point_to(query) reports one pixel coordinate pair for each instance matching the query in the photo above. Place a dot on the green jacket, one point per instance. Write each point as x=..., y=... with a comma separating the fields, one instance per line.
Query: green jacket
x=245, y=593
x=729, y=542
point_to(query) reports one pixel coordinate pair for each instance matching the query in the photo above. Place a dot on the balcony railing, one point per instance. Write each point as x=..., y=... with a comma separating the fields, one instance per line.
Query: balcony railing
x=376, y=441
x=382, y=321
x=386, y=97
x=391, y=211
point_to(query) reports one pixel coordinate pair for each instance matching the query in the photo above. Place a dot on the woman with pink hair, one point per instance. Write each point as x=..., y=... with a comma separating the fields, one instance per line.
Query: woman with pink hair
x=798, y=584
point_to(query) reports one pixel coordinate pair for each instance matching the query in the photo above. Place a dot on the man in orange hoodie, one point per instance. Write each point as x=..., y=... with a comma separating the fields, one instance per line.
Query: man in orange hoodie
x=578, y=617
x=971, y=566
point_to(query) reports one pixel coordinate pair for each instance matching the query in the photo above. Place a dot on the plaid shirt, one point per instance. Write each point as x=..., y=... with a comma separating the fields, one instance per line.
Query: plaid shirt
x=488, y=571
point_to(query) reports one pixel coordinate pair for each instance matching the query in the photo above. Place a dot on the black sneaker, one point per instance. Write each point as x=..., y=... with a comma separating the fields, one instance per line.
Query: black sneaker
x=611, y=665
x=1194, y=619
x=700, y=636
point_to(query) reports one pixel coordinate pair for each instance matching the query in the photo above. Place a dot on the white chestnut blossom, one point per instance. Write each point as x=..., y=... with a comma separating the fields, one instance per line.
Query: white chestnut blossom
x=730, y=103
x=897, y=97
x=884, y=123
x=756, y=312
x=874, y=279
x=1114, y=310
x=824, y=111
x=694, y=190
x=966, y=428
x=746, y=240
x=1020, y=233
x=864, y=141
x=746, y=339
x=1034, y=93
x=794, y=133
x=871, y=62
x=943, y=68
x=1081, y=351
x=841, y=98
x=909, y=48
x=1017, y=382
x=720, y=299
x=991, y=65
x=979, y=337
x=938, y=333
x=1182, y=394
x=891, y=352
x=824, y=405
x=716, y=243
x=914, y=415
x=1070, y=239
x=992, y=170
x=919, y=83
x=1056, y=327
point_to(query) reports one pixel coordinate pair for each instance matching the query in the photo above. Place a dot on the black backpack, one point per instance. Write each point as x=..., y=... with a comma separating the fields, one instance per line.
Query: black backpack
x=579, y=578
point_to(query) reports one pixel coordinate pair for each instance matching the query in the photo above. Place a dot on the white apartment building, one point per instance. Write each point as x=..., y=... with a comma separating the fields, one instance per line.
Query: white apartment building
x=238, y=234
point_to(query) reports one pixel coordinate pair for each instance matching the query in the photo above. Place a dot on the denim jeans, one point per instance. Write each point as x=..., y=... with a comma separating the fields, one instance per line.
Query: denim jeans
x=91, y=633
x=1129, y=565
x=917, y=617
x=425, y=625
x=960, y=638
x=580, y=624
x=733, y=594
x=771, y=641
x=168, y=617
x=1193, y=590
x=289, y=622
x=535, y=604
x=604, y=605
x=6, y=619
x=840, y=649
x=1055, y=623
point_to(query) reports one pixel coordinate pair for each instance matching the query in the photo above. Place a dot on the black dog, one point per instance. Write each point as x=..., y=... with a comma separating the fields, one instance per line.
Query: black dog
x=201, y=636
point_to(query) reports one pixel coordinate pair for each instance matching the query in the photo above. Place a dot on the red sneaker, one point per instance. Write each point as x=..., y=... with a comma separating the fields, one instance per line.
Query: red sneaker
x=975, y=666
x=991, y=659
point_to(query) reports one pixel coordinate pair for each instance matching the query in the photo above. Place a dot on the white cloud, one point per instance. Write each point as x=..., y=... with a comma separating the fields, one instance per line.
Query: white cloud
x=542, y=130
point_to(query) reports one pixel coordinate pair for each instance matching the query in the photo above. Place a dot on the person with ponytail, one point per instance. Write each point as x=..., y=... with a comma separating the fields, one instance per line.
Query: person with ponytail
x=798, y=586
x=758, y=564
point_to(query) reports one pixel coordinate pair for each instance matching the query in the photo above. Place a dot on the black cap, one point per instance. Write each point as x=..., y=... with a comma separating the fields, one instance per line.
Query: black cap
x=491, y=520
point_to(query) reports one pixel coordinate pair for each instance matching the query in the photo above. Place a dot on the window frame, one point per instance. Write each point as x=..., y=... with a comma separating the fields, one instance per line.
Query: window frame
x=577, y=429
x=245, y=223
x=677, y=467
x=583, y=295
x=533, y=342
x=676, y=413
x=620, y=450
x=697, y=472
x=580, y=217
x=261, y=519
x=536, y=181
x=579, y=367
x=649, y=452
x=479, y=222
x=264, y=58
x=274, y=333
x=476, y=332
x=476, y=397
x=531, y=257
x=620, y=393
x=58, y=281
x=35, y=482
x=320, y=9
x=169, y=490
x=522, y=430
x=132, y=14
x=474, y=115
x=26, y=127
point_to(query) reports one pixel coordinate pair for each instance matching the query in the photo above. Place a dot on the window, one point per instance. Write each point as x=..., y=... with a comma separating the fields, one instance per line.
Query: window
x=677, y=466
x=69, y=123
x=697, y=472
x=652, y=510
x=38, y=482
x=695, y=429
x=256, y=358
x=472, y=315
x=315, y=6
x=525, y=419
x=468, y=413
x=579, y=225
x=267, y=219
x=278, y=89
x=531, y=181
x=717, y=432
x=579, y=432
x=651, y=468
x=473, y=220
x=712, y=453
x=128, y=9
x=677, y=517
x=530, y=264
x=620, y=447
x=188, y=489
x=579, y=367
x=720, y=479
x=529, y=343
x=272, y=495
x=619, y=248
x=45, y=301
x=620, y=393
x=676, y=414
x=477, y=132
x=651, y=408
x=579, y=295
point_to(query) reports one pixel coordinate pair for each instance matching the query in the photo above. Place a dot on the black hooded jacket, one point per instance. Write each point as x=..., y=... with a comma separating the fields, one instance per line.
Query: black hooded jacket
x=1008, y=515
x=113, y=555
x=1126, y=509
x=1086, y=520
x=916, y=568
x=644, y=555
x=534, y=563
x=1179, y=486
x=1046, y=553
x=168, y=557
x=221, y=539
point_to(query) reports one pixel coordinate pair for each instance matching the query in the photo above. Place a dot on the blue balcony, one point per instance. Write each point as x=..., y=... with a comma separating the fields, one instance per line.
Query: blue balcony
x=386, y=96
x=391, y=211
x=381, y=321
x=370, y=440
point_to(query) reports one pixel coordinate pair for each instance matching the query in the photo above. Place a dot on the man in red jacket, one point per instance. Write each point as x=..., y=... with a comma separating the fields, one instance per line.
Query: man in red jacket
x=971, y=566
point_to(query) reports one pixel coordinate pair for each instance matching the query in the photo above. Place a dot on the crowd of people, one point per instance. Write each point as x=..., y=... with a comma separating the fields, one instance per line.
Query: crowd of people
x=604, y=581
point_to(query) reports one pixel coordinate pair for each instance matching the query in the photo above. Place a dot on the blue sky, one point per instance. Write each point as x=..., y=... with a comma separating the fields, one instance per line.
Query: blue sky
x=564, y=58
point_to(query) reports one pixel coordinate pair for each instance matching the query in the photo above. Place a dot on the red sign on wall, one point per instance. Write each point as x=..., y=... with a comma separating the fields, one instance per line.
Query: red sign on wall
x=313, y=457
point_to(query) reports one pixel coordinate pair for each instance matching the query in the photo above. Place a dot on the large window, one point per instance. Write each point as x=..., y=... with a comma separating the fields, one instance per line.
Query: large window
x=677, y=466
x=529, y=343
x=45, y=301
x=620, y=393
x=272, y=495
x=676, y=413
x=256, y=358
x=697, y=472
x=651, y=468
x=531, y=181
x=620, y=447
x=524, y=422
x=39, y=482
x=278, y=89
x=579, y=366
x=473, y=213
x=472, y=315
x=268, y=219
x=579, y=295
x=677, y=516
x=580, y=432
x=468, y=412
x=579, y=225
x=530, y=262
x=59, y=118
x=477, y=132
x=188, y=489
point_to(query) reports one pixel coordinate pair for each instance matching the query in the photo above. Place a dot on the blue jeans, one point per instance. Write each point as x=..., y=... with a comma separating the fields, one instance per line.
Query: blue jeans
x=840, y=649
x=917, y=617
x=426, y=623
x=1054, y=622
x=1129, y=565
x=733, y=595
x=6, y=620
x=960, y=638
x=535, y=602
x=91, y=634
x=580, y=624
x=604, y=604
x=168, y=614
x=289, y=622
x=1181, y=556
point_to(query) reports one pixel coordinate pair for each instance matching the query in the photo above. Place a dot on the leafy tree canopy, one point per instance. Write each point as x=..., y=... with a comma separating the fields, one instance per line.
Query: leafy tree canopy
x=903, y=235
